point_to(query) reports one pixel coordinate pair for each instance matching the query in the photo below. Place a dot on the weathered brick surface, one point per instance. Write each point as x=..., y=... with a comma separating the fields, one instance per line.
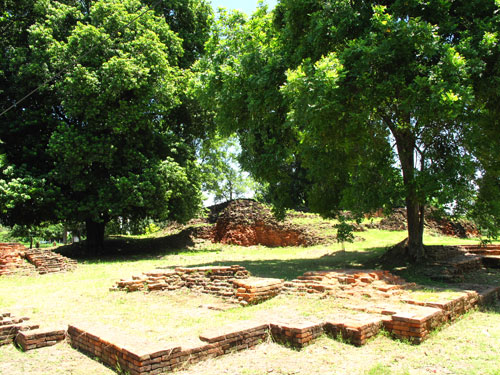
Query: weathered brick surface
x=355, y=331
x=137, y=357
x=346, y=283
x=12, y=259
x=15, y=258
x=296, y=334
x=256, y=289
x=232, y=282
x=10, y=326
x=39, y=338
x=414, y=326
x=46, y=261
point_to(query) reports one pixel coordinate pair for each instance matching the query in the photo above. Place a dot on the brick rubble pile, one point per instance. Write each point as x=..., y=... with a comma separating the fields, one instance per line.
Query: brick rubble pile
x=256, y=289
x=47, y=261
x=347, y=283
x=12, y=259
x=39, y=338
x=10, y=326
x=247, y=223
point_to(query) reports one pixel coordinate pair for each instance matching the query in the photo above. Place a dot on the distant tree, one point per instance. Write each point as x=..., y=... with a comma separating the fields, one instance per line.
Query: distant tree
x=367, y=103
x=42, y=232
x=222, y=175
x=113, y=134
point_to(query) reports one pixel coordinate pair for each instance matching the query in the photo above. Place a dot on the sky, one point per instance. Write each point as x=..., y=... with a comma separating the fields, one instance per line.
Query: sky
x=246, y=6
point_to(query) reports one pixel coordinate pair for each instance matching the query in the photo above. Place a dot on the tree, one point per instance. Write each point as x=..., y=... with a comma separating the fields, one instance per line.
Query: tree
x=101, y=140
x=374, y=101
x=222, y=175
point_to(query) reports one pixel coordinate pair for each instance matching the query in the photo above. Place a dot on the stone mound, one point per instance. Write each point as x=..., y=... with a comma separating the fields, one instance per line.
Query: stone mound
x=247, y=223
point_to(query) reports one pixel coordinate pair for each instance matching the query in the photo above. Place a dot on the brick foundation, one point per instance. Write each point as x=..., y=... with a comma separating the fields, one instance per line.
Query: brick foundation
x=296, y=335
x=139, y=358
x=356, y=332
x=39, y=338
x=414, y=326
x=12, y=259
x=232, y=282
x=46, y=261
x=16, y=258
x=255, y=290
x=10, y=326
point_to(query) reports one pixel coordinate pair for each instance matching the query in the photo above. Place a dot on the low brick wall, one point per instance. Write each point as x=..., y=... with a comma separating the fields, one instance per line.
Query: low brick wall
x=356, y=332
x=296, y=335
x=458, y=306
x=10, y=326
x=256, y=289
x=345, y=283
x=46, y=261
x=414, y=326
x=212, y=280
x=15, y=257
x=39, y=338
x=139, y=358
x=12, y=259
x=232, y=282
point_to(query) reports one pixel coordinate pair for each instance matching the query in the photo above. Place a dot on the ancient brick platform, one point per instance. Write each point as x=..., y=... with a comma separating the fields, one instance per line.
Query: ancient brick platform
x=296, y=334
x=232, y=282
x=211, y=280
x=256, y=289
x=490, y=254
x=137, y=357
x=16, y=258
x=12, y=259
x=352, y=330
x=39, y=338
x=46, y=261
x=411, y=321
x=10, y=326
x=347, y=283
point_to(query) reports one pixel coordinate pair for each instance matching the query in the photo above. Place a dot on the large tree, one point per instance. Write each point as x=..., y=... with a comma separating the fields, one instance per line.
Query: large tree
x=370, y=102
x=109, y=132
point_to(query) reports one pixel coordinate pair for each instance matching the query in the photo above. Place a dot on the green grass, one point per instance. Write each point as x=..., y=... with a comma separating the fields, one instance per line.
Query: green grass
x=471, y=346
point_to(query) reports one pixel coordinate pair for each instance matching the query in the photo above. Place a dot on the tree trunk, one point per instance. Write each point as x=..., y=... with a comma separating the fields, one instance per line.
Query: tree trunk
x=414, y=209
x=95, y=236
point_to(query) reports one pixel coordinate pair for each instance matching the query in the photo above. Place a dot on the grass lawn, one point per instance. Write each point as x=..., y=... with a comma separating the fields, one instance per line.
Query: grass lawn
x=470, y=346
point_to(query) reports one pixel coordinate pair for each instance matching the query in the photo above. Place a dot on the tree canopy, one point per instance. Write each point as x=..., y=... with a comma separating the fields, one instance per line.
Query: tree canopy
x=113, y=131
x=362, y=104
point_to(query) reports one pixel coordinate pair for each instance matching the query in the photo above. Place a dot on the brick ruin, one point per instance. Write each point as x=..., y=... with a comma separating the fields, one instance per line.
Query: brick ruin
x=489, y=254
x=374, y=300
x=412, y=323
x=233, y=283
x=16, y=258
x=245, y=222
x=12, y=259
x=26, y=335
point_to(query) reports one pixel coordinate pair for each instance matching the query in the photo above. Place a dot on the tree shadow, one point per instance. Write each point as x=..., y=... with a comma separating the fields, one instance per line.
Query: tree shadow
x=290, y=269
x=123, y=249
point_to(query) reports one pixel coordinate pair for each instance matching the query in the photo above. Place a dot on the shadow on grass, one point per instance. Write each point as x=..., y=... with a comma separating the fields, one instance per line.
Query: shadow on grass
x=122, y=249
x=289, y=269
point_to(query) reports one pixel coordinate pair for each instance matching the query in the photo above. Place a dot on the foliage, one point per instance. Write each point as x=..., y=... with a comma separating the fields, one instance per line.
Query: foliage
x=113, y=135
x=222, y=174
x=344, y=232
x=42, y=232
x=357, y=105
